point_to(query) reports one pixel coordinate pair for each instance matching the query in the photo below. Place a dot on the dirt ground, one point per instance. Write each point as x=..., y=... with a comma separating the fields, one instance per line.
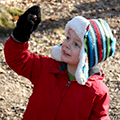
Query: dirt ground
x=15, y=90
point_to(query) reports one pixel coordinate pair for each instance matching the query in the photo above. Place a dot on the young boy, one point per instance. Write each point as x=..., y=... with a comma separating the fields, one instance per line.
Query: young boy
x=66, y=87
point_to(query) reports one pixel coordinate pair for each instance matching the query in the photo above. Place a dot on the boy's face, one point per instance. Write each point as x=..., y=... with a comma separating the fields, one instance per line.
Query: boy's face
x=71, y=48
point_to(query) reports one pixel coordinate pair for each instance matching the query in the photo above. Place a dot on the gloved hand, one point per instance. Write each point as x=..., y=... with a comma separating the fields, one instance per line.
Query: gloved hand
x=26, y=24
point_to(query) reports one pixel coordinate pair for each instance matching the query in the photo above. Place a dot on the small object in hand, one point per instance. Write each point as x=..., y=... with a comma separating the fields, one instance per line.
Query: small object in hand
x=32, y=17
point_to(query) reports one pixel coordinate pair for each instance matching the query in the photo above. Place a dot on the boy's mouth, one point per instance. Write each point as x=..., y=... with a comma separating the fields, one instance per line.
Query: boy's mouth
x=65, y=53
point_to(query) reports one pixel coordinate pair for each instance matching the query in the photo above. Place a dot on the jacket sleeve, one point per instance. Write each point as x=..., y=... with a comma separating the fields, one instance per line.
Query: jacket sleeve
x=101, y=107
x=21, y=60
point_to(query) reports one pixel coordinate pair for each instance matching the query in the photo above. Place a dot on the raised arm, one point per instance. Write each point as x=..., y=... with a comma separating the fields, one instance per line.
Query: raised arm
x=16, y=47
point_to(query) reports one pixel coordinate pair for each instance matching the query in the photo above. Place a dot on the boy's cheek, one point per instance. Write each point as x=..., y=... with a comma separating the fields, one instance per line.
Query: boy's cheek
x=64, y=59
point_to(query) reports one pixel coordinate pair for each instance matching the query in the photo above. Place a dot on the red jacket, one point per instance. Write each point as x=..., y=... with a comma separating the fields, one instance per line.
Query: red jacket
x=51, y=98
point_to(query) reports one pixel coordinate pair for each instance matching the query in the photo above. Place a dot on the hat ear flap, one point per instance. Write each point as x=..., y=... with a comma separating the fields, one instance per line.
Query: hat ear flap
x=56, y=52
x=85, y=68
x=82, y=68
x=83, y=72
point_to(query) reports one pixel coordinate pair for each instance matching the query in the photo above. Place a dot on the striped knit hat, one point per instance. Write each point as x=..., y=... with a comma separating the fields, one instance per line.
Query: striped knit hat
x=98, y=44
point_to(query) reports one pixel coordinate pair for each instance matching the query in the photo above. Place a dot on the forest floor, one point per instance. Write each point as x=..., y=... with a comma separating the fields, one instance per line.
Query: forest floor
x=15, y=90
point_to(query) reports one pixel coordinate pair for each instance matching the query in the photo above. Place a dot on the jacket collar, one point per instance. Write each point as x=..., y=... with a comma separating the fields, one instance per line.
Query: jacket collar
x=60, y=67
x=63, y=66
x=95, y=73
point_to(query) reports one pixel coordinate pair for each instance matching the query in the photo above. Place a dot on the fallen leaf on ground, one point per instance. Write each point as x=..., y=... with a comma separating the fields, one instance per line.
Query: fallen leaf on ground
x=1, y=70
x=16, y=17
x=54, y=16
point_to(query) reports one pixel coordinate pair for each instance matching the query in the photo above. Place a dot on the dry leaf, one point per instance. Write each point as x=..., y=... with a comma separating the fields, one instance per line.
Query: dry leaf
x=1, y=49
x=64, y=5
x=1, y=70
x=22, y=1
x=16, y=17
x=53, y=17
x=47, y=21
x=52, y=2
x=29, y=2
x=6, y=2
x=69, y=15
x=10, y=5
x=45, y=54
x=54, y=43
x=21, y=7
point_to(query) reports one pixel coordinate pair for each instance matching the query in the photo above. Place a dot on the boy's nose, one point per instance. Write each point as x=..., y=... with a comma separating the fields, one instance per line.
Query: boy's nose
x=68, y=44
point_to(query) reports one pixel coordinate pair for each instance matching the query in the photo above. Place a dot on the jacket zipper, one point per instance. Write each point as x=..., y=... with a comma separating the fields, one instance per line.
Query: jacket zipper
x=67, y=85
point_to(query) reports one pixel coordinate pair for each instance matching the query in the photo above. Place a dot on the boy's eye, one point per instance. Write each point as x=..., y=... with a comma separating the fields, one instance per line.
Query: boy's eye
x=68, y=38
x=77, y=45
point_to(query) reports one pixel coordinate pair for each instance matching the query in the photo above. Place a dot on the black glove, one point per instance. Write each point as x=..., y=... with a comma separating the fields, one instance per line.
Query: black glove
x=26, y=24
